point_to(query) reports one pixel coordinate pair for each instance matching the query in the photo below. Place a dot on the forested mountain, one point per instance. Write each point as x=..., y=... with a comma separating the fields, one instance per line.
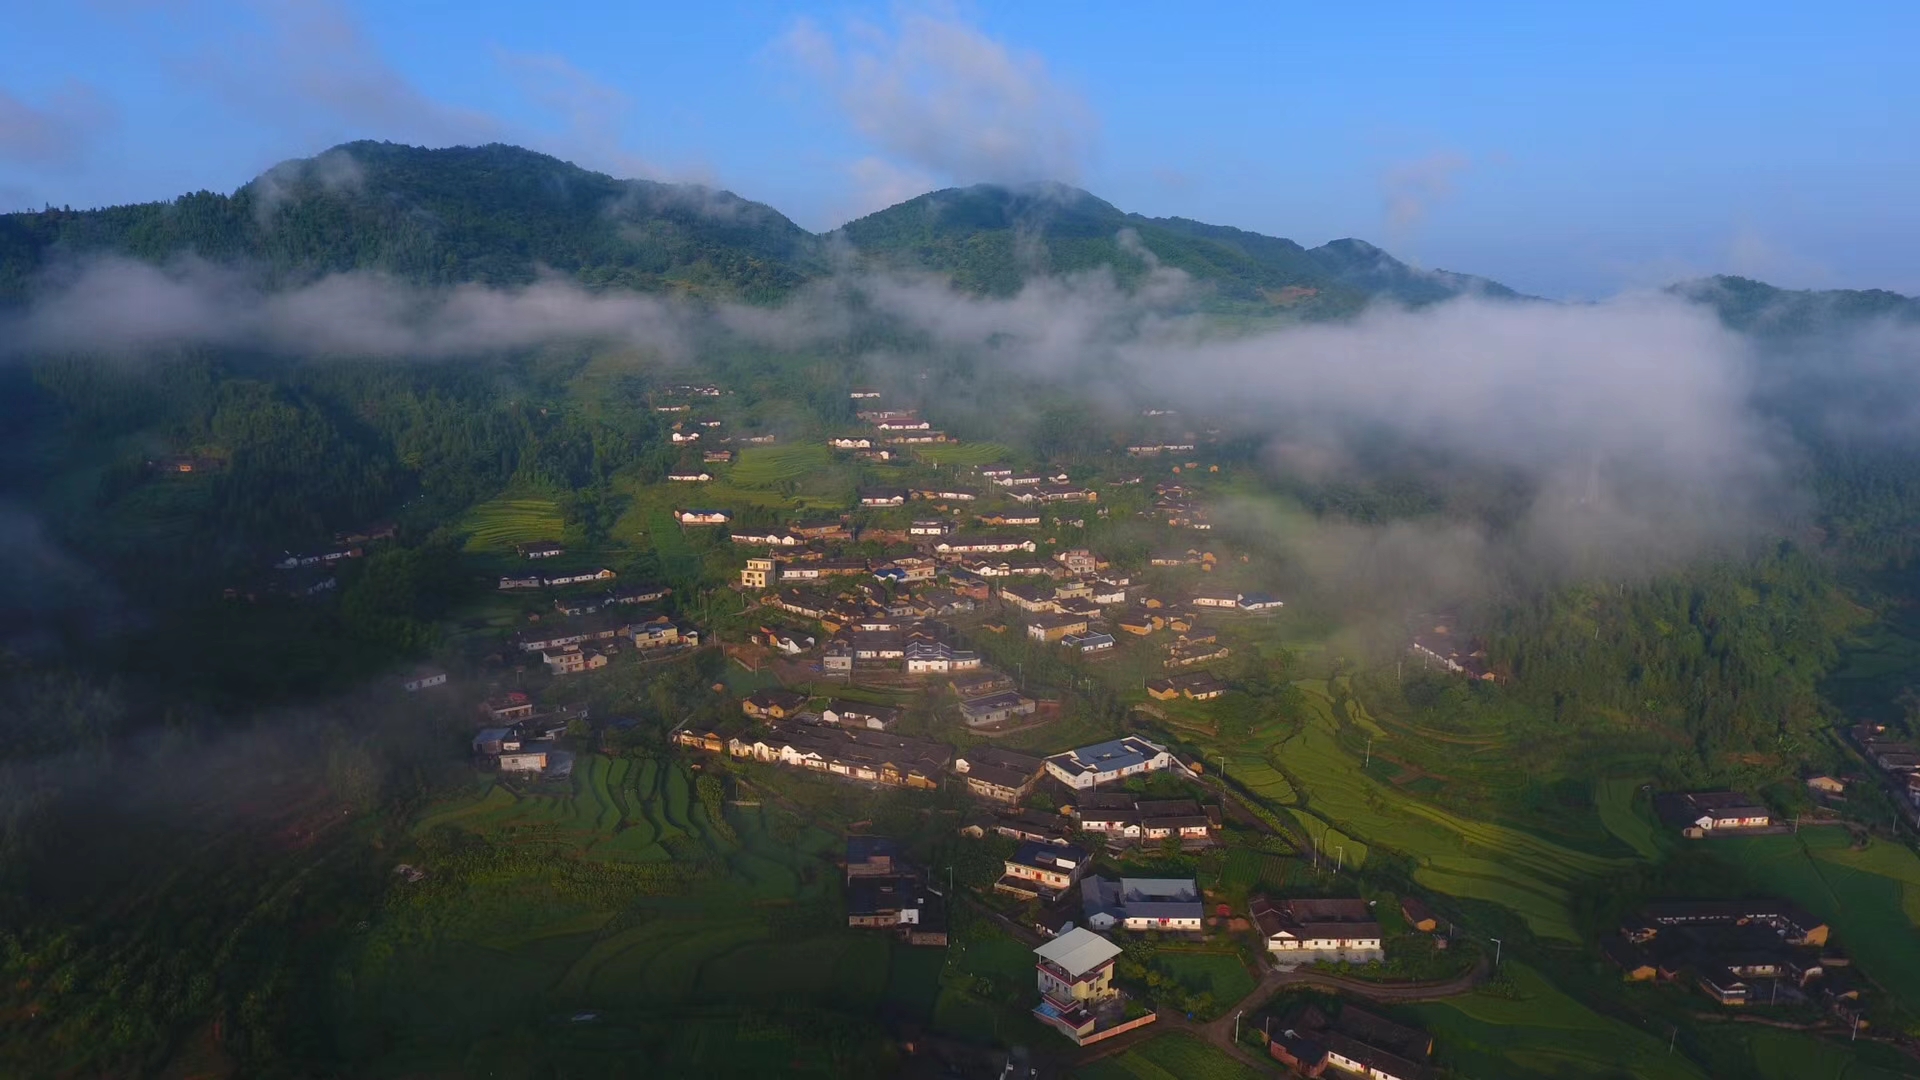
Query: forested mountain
x=499, y=215
x=1769, y=311
x=992, y=239
x=489, y=214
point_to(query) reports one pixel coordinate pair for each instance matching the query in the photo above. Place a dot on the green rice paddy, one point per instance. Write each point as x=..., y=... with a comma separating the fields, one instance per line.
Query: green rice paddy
x=965, y=454
x=766, y=466
x=498, y=524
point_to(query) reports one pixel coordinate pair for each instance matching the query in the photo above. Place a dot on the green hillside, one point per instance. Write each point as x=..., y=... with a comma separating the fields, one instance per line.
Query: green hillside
x=491, y=214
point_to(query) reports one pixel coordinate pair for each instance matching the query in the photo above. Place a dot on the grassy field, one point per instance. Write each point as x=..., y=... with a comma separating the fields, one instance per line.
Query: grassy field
x=1863, y=894
x=500, y=523
x=1173, y=1056
x=1542, y=1032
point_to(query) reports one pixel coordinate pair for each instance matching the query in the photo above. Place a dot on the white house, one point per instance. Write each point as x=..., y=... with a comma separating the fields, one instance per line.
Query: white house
x=1115, y=759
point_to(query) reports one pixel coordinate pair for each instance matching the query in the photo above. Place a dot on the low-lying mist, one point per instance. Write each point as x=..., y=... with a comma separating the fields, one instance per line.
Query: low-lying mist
x=1638, y=432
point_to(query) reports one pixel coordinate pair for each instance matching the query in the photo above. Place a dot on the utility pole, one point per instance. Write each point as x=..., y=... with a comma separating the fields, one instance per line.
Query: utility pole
x=1369, y=760
x=1496, y=952
x=1236, y=1026
x=1342, y=864
x=1671, y=1039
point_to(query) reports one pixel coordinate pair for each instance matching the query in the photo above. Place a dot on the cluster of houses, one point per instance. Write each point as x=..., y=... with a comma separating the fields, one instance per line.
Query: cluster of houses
x=1352, y=1041
x=1176, y=505
x=570, y=645
x=853, y=753
x=1737, y=952
x=889, y=427
x=1896, y=760
x=1438, y=644
x=556, y=580
x=298, y=574
x=1124, y=818
x=519, y=736
x=885, y=892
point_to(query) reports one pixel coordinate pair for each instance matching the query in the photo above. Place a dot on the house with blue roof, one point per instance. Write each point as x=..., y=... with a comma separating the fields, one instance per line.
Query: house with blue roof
x=1116, y=759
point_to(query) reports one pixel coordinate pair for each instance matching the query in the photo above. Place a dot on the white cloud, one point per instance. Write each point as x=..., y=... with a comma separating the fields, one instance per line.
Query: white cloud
x=937, y=96
x=1411, y=188
x=878, y=184
x=58, y=132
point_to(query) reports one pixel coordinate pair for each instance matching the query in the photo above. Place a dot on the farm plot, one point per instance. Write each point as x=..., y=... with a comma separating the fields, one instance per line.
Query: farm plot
x=1614, y=798
x=500, y=523
x=766, y=466
x=1476, y=858
x=965, y=454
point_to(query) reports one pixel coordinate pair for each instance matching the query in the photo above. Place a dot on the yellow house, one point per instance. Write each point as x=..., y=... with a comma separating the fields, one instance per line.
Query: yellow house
x=758, y=573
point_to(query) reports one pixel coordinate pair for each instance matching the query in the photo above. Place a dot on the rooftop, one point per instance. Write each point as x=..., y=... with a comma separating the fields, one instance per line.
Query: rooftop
x=1077, y=951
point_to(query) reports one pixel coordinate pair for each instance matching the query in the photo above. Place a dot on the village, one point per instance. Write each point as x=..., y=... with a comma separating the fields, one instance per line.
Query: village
x=940, y=636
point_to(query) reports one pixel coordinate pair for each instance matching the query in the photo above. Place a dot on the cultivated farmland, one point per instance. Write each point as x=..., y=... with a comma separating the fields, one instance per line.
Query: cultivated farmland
x=498, y=524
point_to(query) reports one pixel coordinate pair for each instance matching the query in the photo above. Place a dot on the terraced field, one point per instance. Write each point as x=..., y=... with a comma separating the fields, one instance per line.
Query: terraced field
x=766, y=466
x=498, y=524
x=1310, y=775
x=580, y=908
x=1614, y=797
x=970, y=455
x=618, y=809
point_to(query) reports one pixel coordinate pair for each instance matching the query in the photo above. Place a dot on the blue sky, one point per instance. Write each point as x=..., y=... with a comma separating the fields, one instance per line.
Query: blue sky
x=1568, y=150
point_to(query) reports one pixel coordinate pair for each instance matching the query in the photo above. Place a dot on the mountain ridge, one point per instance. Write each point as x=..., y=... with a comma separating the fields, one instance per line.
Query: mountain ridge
x=503, y=215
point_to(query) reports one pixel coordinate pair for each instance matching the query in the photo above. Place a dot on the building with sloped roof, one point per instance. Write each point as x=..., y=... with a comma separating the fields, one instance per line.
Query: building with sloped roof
x=1090, y=766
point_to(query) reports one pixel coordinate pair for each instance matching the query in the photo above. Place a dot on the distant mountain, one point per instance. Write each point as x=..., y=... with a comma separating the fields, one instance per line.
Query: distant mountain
x=500, y=215
x=992, y=238
x=489, y=214
x=1767, y=311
